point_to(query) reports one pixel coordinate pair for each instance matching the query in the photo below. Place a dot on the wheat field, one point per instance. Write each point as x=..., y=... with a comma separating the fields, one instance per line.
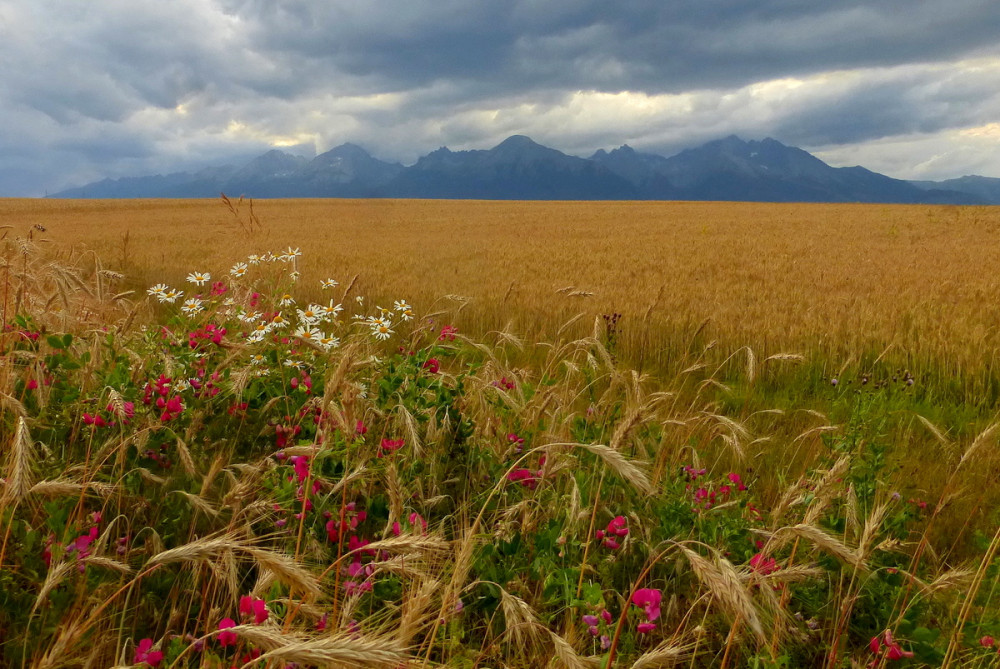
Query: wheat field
x=844, y=280
x=788, y=439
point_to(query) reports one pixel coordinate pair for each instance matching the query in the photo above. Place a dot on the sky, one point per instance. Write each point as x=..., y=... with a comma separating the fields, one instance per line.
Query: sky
x=111, y=88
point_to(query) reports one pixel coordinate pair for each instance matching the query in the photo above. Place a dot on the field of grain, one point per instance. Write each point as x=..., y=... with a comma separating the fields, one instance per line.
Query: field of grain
x=842, y=279
x=783, y=454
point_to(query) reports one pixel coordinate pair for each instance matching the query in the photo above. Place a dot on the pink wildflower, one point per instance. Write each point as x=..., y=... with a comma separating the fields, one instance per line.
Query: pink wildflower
x=525, y=477
x=649, y=599
x=735, y=479
x=255, y=607
x=227, y=638
x=143, y=653
x=390, y=446
x=448, y=333
x=762, y=565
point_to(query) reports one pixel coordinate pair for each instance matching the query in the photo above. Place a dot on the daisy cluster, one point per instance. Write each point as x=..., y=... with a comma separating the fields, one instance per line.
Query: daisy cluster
x=312, y=323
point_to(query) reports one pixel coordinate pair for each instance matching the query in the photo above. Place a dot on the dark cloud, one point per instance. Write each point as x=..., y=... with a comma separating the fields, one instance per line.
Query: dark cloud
x=115, y=87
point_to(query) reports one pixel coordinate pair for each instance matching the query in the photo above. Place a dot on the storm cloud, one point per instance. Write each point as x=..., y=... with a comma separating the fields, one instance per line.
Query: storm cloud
x=110, y=88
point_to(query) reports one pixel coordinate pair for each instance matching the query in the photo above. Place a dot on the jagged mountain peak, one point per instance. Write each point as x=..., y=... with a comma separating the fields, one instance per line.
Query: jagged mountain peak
x=729, y=168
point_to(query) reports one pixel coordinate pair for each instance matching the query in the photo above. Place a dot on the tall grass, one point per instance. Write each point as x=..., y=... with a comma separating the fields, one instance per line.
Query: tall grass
x=467, y=494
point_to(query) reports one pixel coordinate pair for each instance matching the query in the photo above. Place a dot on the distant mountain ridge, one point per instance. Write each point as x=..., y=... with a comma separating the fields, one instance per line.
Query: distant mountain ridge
x=728, y=169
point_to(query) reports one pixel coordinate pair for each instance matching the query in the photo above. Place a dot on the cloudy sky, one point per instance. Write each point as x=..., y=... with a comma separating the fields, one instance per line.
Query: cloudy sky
x=98, y=88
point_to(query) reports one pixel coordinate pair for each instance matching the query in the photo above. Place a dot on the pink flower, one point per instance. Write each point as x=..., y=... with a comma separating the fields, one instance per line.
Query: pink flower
x=171, y=408
x=893, y=649
x=255, y=607
x=616, y=528
x=762, y=565
x=525, y=477
x=735, y=479
x=227, y=638
x=649, y=599
x=432, y=365
x=360, y=428
x=646, y=628
x=987, y=642
x=505, y=383
x=897, y=653
x=301, y=463
x=389, y=446
x=416, y=519
x=144, y=654
x=448, y=333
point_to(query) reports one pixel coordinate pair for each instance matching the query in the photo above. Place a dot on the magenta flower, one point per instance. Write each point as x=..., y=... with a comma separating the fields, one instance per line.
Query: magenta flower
x=227, y=638
x=144, y=654
x=301, y=464
x=616, y=528
x=649, y=600
x=646, y=628
x=389, y=446
x=525, y=477
x=893, y=649
x=255, y=607
x=762, y=565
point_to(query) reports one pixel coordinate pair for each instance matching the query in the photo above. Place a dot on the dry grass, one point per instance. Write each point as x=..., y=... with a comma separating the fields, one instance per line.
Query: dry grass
x=767, y=276
x=782, y=277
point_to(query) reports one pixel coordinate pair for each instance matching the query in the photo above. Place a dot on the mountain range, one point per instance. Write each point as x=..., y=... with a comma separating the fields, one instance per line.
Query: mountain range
x=518, y=168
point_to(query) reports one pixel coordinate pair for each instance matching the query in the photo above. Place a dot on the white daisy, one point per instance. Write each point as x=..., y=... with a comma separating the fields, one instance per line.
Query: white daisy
x=257, y=359
x=307, y=333
x=239, y=269
x=329, y=283
x=328, y=341
x=405, y=310
x=192, y=306
x=286, y=300
x=199, y=278
x=383, y=330
x=297, y=364
x=278, y=321
x=293, y=253
x=171, y=295
x=294, y=276
x=159, y=290
x=310, y=314
x=250, y=316
x=253, y=259
x=328, y=311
